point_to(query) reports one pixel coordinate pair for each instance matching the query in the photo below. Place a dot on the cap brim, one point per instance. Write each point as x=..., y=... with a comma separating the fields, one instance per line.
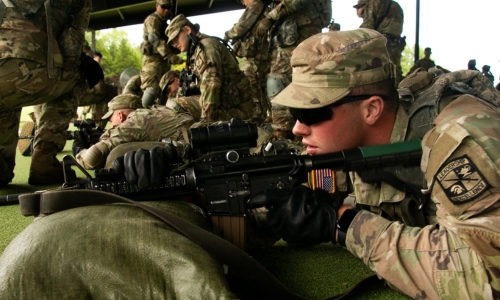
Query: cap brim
x=299, y=96
x=108, y=115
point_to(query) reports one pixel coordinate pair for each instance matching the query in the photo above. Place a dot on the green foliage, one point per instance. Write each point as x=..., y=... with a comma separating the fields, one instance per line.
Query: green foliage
x=408, y=58
x=117, y=52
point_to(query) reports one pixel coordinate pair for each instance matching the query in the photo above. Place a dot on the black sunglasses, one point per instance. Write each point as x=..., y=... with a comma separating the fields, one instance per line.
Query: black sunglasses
x=316, y=115
x=165, y=6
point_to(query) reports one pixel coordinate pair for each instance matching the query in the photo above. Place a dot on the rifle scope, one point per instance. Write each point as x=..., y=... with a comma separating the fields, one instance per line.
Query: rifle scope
x=234, y=135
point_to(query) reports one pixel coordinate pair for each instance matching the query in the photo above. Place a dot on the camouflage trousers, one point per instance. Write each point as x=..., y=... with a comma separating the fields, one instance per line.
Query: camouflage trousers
x=96, y=99
x=256, y=71
x=282, y=71
x=153, y=68
x=25, y=83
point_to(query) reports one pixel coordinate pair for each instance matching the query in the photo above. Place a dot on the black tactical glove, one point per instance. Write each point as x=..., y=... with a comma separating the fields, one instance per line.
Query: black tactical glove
x=302, y=217
x=91, y=70
x=79, y=143
x=146, y=168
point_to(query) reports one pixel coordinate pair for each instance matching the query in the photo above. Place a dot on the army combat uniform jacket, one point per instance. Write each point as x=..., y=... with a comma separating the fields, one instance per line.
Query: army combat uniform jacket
x=142, y=125
x=223, y=86
x=457, y=256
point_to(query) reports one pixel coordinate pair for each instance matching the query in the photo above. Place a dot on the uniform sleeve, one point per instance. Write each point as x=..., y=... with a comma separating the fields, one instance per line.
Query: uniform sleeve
x=247, y=20
x=82, y=17
x=374, y=13
x=211, y=80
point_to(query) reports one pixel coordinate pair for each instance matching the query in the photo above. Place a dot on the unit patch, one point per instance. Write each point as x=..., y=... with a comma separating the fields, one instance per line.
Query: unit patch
x=461, y=180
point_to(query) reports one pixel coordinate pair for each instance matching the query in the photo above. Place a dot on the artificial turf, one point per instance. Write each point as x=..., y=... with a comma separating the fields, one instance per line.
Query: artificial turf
x=317, y=272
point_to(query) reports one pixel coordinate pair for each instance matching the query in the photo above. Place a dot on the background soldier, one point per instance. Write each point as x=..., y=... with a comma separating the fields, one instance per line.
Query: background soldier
x=290, y=22
x=131, y=123
x=487, y=73
x=425, y=62
x=54, y=78
x=254, y=52
x=385, y=16
x=157, y=56
x=333, y=26
x=471, y=65
x=223, y=86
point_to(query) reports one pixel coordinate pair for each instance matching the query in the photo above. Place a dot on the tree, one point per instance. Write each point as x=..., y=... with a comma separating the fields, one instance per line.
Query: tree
x=408, y=58
x=117, y=52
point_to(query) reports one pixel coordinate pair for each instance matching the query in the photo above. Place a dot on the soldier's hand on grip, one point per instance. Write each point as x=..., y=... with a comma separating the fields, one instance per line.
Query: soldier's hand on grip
x=302, y=216
x=146, y=168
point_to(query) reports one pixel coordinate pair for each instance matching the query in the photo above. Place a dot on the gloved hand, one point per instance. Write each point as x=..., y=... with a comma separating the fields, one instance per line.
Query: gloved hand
x=302, y=217
x=146, y=168
x=264, y=26
x=79, y=143
x=91, y=70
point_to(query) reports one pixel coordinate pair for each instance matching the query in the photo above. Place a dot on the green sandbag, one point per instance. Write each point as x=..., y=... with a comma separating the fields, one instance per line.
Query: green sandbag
x=110, y=252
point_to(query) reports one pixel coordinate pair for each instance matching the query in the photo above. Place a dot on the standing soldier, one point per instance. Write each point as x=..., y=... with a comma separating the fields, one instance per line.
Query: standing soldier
x=290, y=22
x=425, y=63
x=42, y=63
x=215, y=71
x=253, y=50
x=157, y=57
x=386, y=17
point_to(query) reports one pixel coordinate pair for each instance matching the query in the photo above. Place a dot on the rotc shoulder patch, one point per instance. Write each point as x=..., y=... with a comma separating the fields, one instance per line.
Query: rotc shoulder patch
x=461, y=180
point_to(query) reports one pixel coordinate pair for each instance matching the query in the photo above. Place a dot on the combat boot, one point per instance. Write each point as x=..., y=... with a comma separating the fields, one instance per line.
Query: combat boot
x=6, y=172
x=45, y=168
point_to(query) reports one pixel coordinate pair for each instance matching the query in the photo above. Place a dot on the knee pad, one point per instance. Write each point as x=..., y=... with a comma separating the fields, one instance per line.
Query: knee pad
x=274, y=85
x=149, y=97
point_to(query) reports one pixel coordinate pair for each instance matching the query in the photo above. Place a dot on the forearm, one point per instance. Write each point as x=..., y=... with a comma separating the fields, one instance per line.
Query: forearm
x=94, y=157
x=210, y=89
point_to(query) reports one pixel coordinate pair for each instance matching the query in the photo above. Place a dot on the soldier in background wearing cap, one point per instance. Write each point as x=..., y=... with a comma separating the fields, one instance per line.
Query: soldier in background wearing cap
x=223, y=86
x=352, y=103
x=425, y=63
x=132, y=123
x=385, y=16
x=157, y=56
x=487, y=73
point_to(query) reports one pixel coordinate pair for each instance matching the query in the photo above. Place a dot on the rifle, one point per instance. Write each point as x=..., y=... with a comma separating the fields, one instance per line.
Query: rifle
x=86, y=130
x=231, y=175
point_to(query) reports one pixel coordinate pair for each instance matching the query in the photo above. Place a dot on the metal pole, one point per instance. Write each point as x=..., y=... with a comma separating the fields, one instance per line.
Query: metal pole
x=417, y=32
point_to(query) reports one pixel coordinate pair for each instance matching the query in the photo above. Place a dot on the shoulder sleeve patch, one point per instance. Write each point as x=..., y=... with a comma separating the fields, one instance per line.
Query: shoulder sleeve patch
x=461, y=180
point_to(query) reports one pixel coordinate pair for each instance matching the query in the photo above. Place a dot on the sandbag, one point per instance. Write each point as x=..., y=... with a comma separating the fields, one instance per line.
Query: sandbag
x=110, y=252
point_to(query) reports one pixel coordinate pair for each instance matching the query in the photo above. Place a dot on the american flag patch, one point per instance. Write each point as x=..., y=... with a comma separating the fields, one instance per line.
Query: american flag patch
x=322, y=179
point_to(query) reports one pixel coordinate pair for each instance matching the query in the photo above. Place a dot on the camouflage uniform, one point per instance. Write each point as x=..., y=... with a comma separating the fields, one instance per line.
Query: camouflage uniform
x=151, y=124
x=30, y=75
x=456, y=255
x=157, y=56
x=309, y=19
x=253, y=50
x=425, y=63
x=223, y=86
x=98, y=98
x=185, y=105
x=133, y=86
x=386, y=16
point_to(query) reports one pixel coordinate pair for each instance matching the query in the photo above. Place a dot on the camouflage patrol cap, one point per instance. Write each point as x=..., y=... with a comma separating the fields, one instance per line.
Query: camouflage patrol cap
x=168, y=78
x=361, y=3
x=327, y=66
x=164, y=2
x=123, y=101
x=175, y=27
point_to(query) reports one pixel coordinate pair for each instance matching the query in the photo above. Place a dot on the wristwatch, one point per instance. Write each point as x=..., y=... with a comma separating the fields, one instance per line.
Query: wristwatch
x=343, y=224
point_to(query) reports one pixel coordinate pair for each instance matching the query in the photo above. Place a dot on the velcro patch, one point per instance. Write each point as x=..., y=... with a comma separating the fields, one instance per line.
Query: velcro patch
x=461, y=180
x=322, y=179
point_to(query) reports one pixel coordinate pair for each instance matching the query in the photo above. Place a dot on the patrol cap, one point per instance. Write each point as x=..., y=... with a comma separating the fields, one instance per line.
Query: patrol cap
x=361, y=3
x=327, y=66
x=168, y=78
x=428, y=49
x=164, y=2
x=175, y=27
x=123, y=101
